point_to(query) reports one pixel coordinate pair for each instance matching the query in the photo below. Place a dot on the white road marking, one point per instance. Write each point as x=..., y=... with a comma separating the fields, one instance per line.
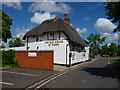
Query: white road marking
x=6, y=83
x=19, y=73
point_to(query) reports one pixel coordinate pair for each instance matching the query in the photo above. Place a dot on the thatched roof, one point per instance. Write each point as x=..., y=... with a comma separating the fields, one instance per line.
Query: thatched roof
x=54, y=25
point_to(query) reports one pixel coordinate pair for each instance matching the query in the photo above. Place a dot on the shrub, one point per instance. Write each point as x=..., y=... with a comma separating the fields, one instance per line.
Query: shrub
x=8, y=58
x=116, y=65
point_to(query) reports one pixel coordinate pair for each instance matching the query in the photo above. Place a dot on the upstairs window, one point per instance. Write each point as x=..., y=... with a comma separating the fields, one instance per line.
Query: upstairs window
x=51, y=36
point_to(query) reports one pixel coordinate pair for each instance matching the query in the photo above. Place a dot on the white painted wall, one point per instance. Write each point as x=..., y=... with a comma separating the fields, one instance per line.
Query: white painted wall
x=42, y=37
x=15, y=48
x=87, y=53
x=77, y=57
x=56, y=35
x=80, y=57
x=31, y=39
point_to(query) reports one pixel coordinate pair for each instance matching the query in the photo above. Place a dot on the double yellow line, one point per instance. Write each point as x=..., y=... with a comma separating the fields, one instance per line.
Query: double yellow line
x=50, y=80
x=60, y=75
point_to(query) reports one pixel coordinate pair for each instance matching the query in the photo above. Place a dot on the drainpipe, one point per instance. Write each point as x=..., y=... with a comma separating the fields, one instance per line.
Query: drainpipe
x=70, y=55
x=27, y=44
x=66, y=54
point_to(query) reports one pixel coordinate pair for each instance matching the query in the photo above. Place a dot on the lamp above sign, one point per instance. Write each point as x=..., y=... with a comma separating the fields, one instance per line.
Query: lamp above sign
x=32, y=54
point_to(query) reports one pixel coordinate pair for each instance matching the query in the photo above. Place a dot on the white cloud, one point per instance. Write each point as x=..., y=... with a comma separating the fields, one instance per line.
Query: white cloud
x=105, y=34
x=112, y=0
x=104, y=25
x=86, y=19
x=111, y=37
x=38, y=18
x=14, y=4
x=81, y=31
x=50, y=7
x=21, y=31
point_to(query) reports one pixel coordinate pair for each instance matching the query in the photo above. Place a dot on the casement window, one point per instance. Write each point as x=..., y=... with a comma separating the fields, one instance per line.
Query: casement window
x=33, y=36
x=51, y=36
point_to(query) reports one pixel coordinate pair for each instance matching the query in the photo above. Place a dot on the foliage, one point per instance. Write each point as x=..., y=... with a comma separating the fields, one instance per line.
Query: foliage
x=16, y=42
x=104, y=50
x=95, y=40
x=118, y=50
x=113, y=12
x=8, y=58
x=111, y=50
x=116, y=66
x=6, y=22
x=2, y=46
x=115, y=61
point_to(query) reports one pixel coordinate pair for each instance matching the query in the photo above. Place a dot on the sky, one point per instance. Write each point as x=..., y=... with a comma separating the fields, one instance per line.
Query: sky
x=86, y=17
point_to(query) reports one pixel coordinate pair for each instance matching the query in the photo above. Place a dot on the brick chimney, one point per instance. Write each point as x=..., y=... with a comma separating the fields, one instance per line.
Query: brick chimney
x=66, y=19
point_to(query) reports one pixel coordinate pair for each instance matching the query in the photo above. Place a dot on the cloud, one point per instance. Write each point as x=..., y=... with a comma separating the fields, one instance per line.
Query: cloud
x=14, y=4
x=38, y=18
x=50, y=7
x=105, y=34
x=112, y=0
x=104, y=25
x=21, y=31
x=81, y=31
x=111, y=37
x=86, y=19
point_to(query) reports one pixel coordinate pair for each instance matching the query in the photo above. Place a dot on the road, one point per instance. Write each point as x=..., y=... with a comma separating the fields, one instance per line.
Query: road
x=95, y=74
x=22, y=77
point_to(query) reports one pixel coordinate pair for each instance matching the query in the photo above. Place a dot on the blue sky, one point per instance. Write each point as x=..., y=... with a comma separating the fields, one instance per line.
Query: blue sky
x=86, y=17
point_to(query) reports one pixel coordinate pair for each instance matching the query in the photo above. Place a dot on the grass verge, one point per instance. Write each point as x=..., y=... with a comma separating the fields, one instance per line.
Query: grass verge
x=116, y=66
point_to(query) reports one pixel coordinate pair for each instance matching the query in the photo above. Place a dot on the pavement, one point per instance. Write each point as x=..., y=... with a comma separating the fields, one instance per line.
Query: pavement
x=60, y=68
x=94, y=74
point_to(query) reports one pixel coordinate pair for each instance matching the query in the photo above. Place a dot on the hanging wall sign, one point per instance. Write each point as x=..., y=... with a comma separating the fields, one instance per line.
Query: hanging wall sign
x=32, y=54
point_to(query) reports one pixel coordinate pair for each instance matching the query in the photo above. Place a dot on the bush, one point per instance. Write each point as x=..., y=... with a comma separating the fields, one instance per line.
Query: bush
x=116, y=65
x=8, y=58
x=115, y=61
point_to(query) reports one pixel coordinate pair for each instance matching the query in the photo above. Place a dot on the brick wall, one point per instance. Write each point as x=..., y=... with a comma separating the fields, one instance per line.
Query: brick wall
x=43, y=60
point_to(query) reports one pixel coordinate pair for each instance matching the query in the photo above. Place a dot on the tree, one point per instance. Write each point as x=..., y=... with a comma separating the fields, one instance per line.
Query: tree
x=2, y=46
x=113, y=12
x=104, y=50
x=113, y=49
x=118, y=50
x=6, y=23
x=16, y=42
x=95, y=40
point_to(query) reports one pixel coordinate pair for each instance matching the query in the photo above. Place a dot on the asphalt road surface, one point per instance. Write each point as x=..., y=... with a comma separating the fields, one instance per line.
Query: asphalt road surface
x=21, y=77
x=96, y=74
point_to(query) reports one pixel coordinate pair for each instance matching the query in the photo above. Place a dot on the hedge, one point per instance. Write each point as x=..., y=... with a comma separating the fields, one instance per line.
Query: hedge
x=8, y=58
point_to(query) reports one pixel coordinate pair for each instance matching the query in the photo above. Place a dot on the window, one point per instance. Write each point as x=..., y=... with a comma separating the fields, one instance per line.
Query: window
x=51, y=34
